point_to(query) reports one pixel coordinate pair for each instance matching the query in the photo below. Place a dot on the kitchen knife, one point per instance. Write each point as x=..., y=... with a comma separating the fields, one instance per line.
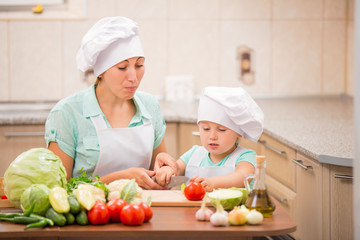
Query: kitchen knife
x=177, y=181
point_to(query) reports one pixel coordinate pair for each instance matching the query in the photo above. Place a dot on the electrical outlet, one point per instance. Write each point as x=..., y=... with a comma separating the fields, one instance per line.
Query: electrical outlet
x=246, y=73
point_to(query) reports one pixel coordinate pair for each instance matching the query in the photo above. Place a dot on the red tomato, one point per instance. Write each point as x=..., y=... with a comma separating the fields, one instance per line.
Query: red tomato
x=194, y=191
x=115, y=206
x=99, y=214
x=132, y=214
x=147, y=211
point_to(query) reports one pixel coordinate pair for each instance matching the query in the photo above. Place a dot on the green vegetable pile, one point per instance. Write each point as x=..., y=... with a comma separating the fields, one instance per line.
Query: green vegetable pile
x=35, y=166
x=36, y=183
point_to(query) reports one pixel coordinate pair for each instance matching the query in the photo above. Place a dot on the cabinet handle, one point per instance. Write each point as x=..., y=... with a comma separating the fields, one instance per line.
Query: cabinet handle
x=272, y=148
x=343, y=176
x=280, y=199
x=23, y=134
x=195, y=133
x=300, y=163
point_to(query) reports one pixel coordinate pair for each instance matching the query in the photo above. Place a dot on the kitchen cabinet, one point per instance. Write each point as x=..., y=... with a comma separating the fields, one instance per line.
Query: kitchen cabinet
x=250, y=145
x=318, y=196
x=188, y=136
x=339, y=217
x=279, y=164
x=309, y=198
x=296, y=182
x=171, y=139
x=15, y=139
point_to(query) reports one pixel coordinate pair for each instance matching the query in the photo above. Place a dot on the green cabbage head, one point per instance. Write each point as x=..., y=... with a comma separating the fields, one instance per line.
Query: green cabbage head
x=35, y=166
x=229, y=198
x=38, y=193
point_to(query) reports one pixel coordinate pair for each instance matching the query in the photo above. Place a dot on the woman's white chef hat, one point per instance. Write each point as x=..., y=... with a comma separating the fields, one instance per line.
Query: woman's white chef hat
x=110, y=41
x=233, y=108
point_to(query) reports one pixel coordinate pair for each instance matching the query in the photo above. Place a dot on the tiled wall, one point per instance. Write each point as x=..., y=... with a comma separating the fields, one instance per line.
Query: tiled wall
x=301, y=47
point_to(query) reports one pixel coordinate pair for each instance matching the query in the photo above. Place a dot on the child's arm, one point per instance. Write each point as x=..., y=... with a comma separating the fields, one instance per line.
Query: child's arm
x=234, y=179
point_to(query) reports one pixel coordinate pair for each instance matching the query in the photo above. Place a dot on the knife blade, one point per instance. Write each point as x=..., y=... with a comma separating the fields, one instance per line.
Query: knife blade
x=177, y=181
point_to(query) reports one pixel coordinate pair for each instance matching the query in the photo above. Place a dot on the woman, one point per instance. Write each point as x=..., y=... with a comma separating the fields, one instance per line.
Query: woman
x=110, y=129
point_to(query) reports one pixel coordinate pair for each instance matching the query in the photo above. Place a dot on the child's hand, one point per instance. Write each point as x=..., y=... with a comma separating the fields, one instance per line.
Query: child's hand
x=163, y=175
x=206, y=184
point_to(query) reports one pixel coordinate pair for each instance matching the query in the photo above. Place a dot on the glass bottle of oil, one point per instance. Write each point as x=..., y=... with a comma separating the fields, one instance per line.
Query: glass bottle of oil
x=258, y=197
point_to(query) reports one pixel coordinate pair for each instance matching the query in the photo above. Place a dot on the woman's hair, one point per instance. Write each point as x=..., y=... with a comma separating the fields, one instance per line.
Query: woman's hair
x=97, y=80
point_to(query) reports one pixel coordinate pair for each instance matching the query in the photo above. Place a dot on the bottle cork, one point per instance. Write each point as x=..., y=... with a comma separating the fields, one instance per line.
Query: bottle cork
x=260, y=160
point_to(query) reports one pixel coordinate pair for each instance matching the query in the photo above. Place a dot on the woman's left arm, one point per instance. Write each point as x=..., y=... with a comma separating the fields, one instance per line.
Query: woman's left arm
x=234, y=179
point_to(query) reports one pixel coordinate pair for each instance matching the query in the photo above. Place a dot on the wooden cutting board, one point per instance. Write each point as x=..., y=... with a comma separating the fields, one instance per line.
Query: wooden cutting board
x=5, y=203
x=170, y=198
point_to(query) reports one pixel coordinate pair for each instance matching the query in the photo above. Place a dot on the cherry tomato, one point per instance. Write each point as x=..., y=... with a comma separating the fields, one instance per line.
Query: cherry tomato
x=132, y=214
x=99, y=214
x=115, y=206
x=194, y=191
x=147, y=211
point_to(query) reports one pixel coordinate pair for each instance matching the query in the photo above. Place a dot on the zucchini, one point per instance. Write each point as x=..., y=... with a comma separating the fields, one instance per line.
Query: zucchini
x=58, y=218
x=82, y=218
x=74, y=204
x=70, y=219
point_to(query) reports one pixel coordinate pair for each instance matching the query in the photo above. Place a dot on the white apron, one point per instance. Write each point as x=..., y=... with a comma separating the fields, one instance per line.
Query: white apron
x=123, y=148
x=193, y=167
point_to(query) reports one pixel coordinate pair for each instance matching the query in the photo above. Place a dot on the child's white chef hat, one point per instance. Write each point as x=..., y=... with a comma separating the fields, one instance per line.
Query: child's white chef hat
x=110, y=41
x=233, y=108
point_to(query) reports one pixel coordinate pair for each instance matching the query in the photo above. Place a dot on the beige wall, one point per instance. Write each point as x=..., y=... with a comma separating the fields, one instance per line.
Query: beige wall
x=301, y=47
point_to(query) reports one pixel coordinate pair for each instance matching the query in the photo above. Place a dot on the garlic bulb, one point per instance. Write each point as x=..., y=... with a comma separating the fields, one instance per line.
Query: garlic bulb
x=254, y=217
x=219, y=218
x=204, y=213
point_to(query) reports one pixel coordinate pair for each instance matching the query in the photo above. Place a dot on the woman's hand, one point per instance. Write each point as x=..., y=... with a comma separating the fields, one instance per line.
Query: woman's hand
x=204, y=182
x=165, y=159
x=143, y=178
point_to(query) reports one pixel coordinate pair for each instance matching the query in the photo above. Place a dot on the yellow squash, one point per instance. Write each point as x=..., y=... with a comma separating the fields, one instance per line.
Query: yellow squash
x=59, y=200
x=84, y=197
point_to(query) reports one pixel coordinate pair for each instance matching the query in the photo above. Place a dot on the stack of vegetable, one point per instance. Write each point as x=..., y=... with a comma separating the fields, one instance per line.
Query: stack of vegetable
x=36, y=183
x=231, y=199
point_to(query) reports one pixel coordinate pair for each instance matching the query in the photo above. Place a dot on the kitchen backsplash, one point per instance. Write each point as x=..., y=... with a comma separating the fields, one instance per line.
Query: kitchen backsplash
x=299, y=47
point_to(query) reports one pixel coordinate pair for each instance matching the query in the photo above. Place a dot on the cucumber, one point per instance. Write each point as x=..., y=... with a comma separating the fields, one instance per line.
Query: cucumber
x=82, y=218
x=70, y=219
x=58, y=218
x=74, y=204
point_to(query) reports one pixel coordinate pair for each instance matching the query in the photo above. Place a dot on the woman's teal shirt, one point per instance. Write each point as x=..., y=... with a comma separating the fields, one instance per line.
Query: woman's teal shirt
x=69, y=125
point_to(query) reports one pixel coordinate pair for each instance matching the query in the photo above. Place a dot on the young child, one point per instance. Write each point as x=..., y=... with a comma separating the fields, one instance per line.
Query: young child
x=224, y=116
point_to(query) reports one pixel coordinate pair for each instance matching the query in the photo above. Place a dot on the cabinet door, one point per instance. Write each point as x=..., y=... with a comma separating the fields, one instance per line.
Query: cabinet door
x=250, y=145
x=171, y=139
x=285, y=196
x=188, y=136
x=308, y=210
x=341, y=203
x=279, y=160
x=16, y=139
